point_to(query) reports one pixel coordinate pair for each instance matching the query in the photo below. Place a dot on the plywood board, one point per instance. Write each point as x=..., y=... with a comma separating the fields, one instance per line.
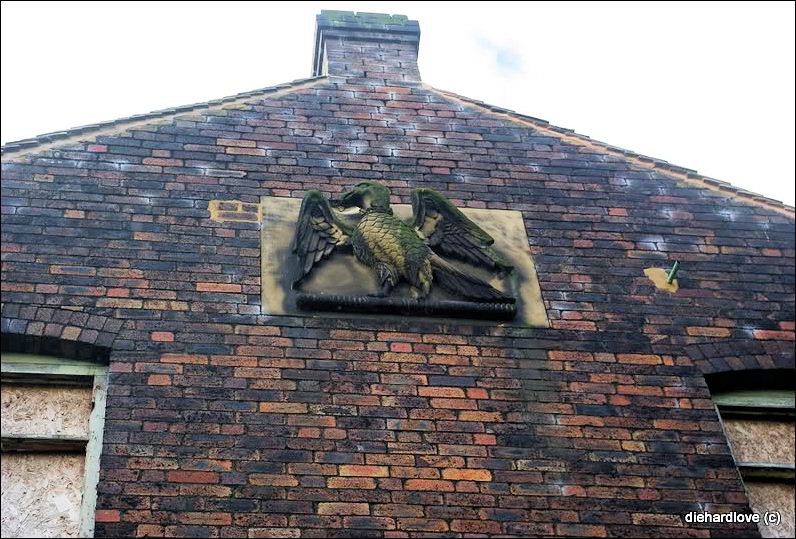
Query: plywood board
x=773, y=497
x=41, y=494
x=45, y=410
x=756, y=440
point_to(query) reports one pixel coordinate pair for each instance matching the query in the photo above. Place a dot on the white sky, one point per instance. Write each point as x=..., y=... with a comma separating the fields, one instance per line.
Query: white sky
x=708, y=86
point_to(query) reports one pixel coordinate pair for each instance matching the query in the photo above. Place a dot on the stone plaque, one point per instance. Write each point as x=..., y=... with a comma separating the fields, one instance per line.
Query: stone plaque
x=341, y=277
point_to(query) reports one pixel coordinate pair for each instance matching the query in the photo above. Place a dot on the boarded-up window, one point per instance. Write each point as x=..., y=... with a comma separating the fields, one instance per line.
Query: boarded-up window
x=51, y=429
x=758, y=417
x=42, y=494
x=46, y=411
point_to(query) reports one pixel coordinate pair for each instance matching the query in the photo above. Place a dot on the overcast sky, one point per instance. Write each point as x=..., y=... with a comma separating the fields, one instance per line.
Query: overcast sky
x=708, y=86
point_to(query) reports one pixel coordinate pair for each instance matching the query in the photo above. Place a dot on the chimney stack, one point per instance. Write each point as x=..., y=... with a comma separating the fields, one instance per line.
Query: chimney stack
x=366, y=47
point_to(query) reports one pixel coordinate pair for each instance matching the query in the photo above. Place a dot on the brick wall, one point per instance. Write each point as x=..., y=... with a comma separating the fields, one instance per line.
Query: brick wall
x=224, y=422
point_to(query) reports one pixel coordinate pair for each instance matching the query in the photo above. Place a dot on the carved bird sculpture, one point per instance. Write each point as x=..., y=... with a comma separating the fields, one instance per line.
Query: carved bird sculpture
x=396, y=250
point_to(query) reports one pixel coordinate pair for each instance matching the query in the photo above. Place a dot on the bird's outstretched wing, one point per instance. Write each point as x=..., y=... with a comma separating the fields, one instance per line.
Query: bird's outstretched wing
x=449, y=232
x=318, y=233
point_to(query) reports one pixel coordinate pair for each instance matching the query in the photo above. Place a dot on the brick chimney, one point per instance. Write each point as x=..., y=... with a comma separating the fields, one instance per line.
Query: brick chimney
x=366, y=47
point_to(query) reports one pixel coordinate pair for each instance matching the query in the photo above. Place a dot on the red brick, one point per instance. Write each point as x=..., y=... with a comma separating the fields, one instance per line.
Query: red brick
x=218, y=287
x=484, y=439
x=369, y=523
x=581, y=530
x=150, y=530
x=335, y=434
x=639, y=390
x=477, y=393
x=487, y=528
x=107, y=515
x=351, y=482
x=159, y=380
x=707, y=331
x=208, y=519
x=193, y=477
x=163, y=162
x=422, y=525
x=268, y=533
x=573, y=490
x=118, y=292
x=648, y=494
x=184, y=358
x=256, y=372
x=364, y=471
x=162, y=336
x=273, y=480
x=456, y=474
x=675, y=424
x=639, y=359
x=574, y=325
x=245, y=151
x=400, y=347
x=654, y=519
x=558, y=355
x=283, y=407
x=766, y=335
x=454, y=404
x=429, y=485
x=488, y=417
x=453, y=392
x=341, y=508
x=115, y=303
x=236, y=142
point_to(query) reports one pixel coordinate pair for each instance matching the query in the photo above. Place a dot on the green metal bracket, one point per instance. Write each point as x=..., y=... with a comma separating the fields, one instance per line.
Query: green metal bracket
x=673, y=272
x=764, y=471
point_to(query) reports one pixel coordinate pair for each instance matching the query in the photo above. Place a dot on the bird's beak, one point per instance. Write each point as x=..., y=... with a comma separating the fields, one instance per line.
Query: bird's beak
x=350, y=199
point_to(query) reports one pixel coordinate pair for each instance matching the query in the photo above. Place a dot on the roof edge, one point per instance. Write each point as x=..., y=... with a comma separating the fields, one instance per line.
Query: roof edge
x=651, y=163
x=78, y=134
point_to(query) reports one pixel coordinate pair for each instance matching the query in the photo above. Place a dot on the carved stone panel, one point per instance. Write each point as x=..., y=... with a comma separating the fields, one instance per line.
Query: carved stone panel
x=343, y=279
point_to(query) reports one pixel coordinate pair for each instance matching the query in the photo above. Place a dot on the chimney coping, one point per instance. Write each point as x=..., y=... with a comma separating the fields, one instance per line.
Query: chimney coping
x=367, y=21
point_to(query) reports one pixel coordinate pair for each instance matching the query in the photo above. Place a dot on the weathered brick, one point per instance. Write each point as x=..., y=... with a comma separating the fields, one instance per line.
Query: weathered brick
x=364, y=471
x=283, y=407
x=454, y=392
x=107, y=515
x=184, y=358
x=428, y=484
x=244, y=151
x=493, y=417
x=193, y=477
x=708, y=331
x=343, y=508
x=236, y=142
x=218, y=287
x=162, y=336
x=351, y=482
x=273, y=480
x=765, y=335
x=466, y=474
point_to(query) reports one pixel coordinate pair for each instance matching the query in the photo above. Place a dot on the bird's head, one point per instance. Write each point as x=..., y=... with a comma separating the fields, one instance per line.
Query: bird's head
x=368, y=196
